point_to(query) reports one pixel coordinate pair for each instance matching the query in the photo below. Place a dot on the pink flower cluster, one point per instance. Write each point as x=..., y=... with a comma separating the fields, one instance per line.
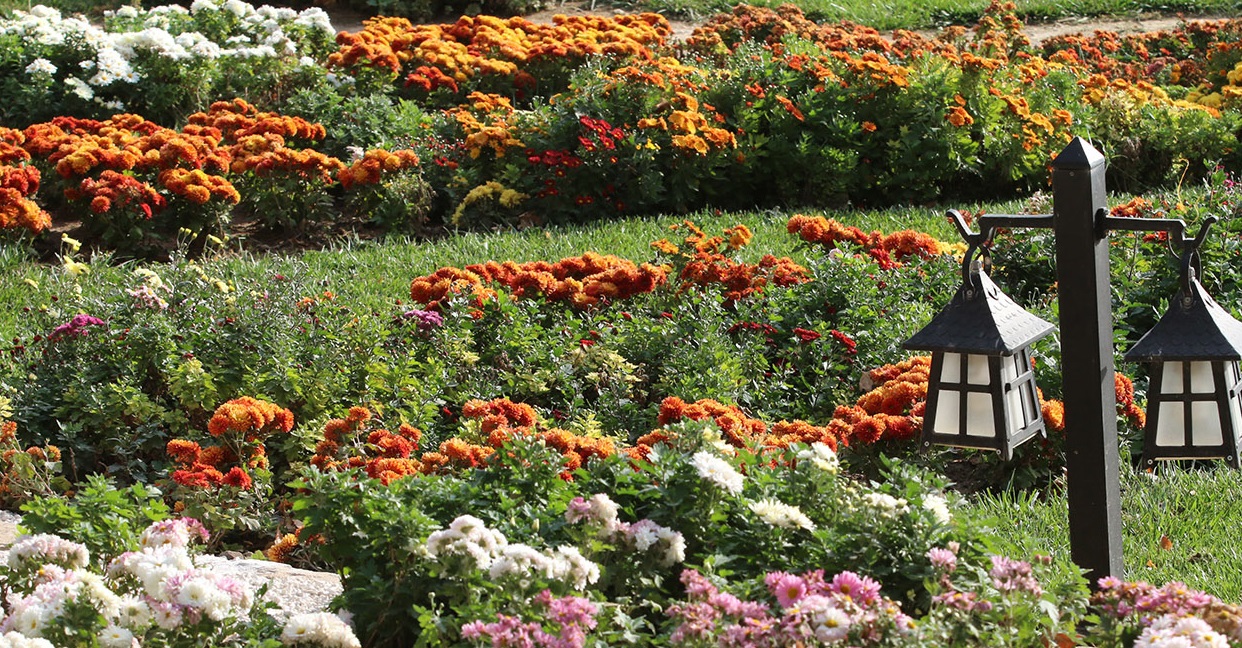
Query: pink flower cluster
x=74, y=327
x=1009, y=575
x=1123, y=599
x=573, y=615
x=813, y=610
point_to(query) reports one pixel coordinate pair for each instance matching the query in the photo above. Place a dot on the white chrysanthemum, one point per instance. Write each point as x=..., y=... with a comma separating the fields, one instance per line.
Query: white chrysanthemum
x=718, y=471
x=648, y=536
x=115, y=636
x=41, y=66
x=198, y=45
x=779, y=514
x=319, y=629
x=43, y=548
x=884, y=505
x=521, y=562
x=126, y=11
x=822, y=457
x=571, y=567
x=1170, y=631
x=133, y=613
x=939, y=508
x=238, y=8
x=17, y=640
x=466, y=536
x=316, y=18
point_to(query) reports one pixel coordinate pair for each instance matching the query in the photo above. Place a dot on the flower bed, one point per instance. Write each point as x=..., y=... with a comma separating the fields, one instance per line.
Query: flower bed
x=504, y=122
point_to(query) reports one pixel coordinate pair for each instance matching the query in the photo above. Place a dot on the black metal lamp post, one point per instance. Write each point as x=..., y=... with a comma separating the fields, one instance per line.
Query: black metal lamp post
x=981, y=320
x=1194, y=408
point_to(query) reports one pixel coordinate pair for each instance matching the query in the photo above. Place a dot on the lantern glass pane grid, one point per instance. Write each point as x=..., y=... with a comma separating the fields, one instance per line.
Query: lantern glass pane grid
x=1017, y=396
x=1187, y=422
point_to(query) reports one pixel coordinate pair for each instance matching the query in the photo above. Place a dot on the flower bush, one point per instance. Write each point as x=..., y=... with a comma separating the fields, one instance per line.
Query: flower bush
x=152, y=595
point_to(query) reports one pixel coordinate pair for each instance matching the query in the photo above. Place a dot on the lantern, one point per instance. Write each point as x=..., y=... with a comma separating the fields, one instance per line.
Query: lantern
x=1194, y=409
x=981, y=392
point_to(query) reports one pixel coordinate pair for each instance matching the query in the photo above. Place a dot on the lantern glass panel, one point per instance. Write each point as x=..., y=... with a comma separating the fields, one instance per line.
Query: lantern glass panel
x=977, y=371
x=951, y=368
x=1205, y=424
x=1201, y=381
x=1170, y=427
x=981, y=418
x=1232, y=378
x=948, y=411
x=1013, y=395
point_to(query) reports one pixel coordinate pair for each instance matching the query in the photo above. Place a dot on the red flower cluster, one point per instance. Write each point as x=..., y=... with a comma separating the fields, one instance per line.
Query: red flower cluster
x=115, y=190
x=12, y=471
x=210, y=467
x=583, y=281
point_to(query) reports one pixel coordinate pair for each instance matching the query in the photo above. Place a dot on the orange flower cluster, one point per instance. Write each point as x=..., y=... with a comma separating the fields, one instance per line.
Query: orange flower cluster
x=740, y=280
x=502, y=420
x=827, y=232
x=266, y=155
x=494, y=131
x=582, y=281
x=199, y=187
x=1137, y=207
x=233, y=120
x=486, y=46
x=1125, y=401
x=893, y=409
x=249, y=418
x=738, y=429
x=11, y=151
x=117, y=190
x=352, y=443
x=14, y=475
x=374, y=163
x=17, y=210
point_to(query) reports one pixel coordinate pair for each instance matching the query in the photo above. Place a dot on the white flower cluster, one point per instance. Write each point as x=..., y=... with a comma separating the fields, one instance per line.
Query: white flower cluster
x=642, y=536
x=1171, y=631
x=319, y=629
x=780, y=514
x=468, y=537
x=162, y=589
x=523, y=563
x=34, y=551
x=718, y=471
x=646, y=536
x=938, y=506
x=167, y=31
x=34, y=614
x=487, y=550
x=18, y=640
x=821, y=456
x=886, y=506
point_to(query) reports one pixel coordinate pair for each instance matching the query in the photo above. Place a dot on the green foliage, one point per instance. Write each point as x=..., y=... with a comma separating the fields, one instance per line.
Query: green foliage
x=105, y=518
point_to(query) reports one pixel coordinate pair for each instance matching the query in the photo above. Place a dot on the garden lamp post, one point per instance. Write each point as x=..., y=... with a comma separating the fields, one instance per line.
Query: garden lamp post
x=1194, y=408
x=1080, y=224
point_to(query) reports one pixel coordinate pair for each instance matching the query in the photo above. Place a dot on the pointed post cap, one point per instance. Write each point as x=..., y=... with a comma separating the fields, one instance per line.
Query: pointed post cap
x=1194, y=328
x=1078, y=155
x=980, y=319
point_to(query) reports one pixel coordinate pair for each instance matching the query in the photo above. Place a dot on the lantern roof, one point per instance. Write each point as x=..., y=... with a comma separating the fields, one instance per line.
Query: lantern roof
x=980, y=319
x=1194, y=328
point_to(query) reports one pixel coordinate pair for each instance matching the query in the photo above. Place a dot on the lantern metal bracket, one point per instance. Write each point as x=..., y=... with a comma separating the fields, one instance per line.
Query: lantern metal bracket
x=978, y=245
